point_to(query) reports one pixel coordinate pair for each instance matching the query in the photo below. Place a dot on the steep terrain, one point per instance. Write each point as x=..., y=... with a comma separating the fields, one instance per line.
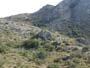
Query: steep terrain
x=70, y=17
x=23, y=45
x=53, y=37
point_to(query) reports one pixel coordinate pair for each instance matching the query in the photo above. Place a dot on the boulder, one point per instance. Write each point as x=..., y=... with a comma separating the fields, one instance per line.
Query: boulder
x=66, y=57
x=73, y=48
x=85, y=49
x=84, y=41
x=45, y=35
x=56, y=43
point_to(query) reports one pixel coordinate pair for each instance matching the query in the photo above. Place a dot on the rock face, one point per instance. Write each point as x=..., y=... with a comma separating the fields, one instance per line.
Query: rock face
x=82, y=11
x=79, y=10
x=73, y=12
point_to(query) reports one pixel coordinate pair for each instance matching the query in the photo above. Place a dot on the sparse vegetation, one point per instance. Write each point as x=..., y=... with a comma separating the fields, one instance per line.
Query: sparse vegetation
x=26, y=43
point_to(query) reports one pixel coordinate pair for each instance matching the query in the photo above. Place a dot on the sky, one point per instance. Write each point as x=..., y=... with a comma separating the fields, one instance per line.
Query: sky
x=12, y=7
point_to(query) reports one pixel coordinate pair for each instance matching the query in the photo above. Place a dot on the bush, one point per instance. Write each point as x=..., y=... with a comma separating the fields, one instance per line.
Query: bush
x=33, y=43
x=71, y=64
x=39, y=62
x=3, y=48
x=76, y=60
x=41, y=55
x=85, y=49
x=77, y=54
x=49, y=47
x=54, y=65
x=58, y=60
x=27, y=54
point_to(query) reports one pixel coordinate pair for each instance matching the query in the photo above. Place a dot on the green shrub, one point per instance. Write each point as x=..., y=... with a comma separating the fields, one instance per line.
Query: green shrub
x=77, y=54
x=49, y=47
x=41, y=55
x=54, y=65
x=4, y=48
x=33, y=43
x=71, y=64
x=85, y=49
x=39, y=62
x=57, y=60
x=76, y=60
x=27, y=54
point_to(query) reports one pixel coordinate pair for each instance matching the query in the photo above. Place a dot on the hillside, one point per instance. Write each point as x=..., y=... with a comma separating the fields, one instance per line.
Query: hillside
x=25, y=46
x=70, y=17
x=53, y=37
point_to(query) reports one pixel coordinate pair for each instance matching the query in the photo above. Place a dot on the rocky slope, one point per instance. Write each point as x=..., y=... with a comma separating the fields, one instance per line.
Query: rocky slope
x=70, y=17
x=41, y=39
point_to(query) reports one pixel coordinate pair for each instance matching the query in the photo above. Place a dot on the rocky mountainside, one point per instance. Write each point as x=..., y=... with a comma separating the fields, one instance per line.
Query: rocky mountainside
x=70, y=17
x=53, y=37
x=23, y=45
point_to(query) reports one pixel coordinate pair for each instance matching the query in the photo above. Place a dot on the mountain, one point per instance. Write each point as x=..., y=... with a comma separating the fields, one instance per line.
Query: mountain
x=70, y=17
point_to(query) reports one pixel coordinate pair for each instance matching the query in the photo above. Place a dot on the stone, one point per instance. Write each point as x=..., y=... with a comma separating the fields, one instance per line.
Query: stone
x=56, y=43
x=66, y=57
x=83, y=41
x=73, y=48
x=44, y=35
